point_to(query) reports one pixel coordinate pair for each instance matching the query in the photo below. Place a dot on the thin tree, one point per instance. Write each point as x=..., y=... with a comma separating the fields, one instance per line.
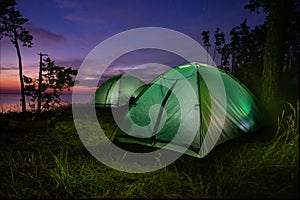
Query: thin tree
x=205, y=39
x=48, y=88
x=273, y=59
x=11, y=26
x=40, y=83
x=219, y=41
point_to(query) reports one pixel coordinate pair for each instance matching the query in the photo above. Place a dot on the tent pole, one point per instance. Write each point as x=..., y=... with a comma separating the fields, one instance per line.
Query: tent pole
x=199, y=104
x=119, y=91
x=108, y=91
x=161, y=111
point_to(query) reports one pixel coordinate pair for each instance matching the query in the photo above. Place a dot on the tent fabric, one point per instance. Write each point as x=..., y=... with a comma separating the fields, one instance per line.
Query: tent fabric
x=165, y=113
x=118, y=91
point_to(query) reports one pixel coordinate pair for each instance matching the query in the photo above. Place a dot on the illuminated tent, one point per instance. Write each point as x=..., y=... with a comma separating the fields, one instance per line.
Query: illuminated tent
x=118, y=91
x=190, y=109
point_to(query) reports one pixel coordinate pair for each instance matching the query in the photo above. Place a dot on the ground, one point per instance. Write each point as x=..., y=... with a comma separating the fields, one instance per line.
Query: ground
x=51, y=162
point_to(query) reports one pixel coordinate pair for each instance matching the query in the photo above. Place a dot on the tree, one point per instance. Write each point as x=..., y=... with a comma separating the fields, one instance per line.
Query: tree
x=246, y=49
x=219, y=41
x=242, y=55
x=11, y=26
x=292, y=40
x=273, y=59
x=205, y=38
x=40, y=80
x=55, y=79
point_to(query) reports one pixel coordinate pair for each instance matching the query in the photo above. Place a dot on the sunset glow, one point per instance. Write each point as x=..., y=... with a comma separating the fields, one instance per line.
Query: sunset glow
x=68, y=30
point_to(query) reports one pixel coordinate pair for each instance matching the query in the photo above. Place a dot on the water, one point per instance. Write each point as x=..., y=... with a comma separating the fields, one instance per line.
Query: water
x=12, y=102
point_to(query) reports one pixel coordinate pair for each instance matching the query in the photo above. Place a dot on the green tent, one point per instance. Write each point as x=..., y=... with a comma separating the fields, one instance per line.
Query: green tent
x=190, y=109
x=118, y=91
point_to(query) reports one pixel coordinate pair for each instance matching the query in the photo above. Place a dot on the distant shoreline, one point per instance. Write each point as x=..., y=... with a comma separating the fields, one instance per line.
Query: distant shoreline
x=10, y=102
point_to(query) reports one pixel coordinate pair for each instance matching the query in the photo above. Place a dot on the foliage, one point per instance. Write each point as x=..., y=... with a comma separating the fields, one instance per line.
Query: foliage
x=205, y=38
x=55, y=79
x=11, y=26
x=219, y=41
x=243, y=54
x=292, y=43
x=258, y=6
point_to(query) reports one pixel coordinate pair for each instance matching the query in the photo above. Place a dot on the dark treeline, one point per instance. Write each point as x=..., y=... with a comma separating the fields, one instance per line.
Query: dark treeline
x=244, y=54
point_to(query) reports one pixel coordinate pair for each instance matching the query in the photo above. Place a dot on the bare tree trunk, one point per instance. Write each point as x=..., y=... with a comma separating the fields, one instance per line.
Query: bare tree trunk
x=214, y=56
x=273, y=59
x=40, y=85
x=21, y=76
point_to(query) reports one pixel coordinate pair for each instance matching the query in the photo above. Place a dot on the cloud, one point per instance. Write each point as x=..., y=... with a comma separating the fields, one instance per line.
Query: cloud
x=8, y=68
x=83, y=18
x=146, y=72
x=117, y=13
x=145, y=64
x=74, y=63
x=67, y=4
x=4, y=66
x=43, y=36
x=88, y=78
x=148, y=55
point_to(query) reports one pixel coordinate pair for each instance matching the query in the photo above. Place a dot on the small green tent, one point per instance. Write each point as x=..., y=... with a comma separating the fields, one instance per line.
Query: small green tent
x=118, y=91
x=190, y=109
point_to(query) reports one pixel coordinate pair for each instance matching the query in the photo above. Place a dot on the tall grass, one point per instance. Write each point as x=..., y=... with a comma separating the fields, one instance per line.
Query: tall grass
x=53, y=163
x=267, y=168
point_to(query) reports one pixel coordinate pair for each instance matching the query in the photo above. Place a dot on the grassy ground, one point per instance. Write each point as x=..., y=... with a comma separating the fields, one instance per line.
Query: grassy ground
x=39, y=161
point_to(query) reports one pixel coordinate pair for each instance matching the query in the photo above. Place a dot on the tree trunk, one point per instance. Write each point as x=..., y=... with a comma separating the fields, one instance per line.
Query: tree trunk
x=273, y=59
x=21, y=76
x=40, y=85
x=214, y=56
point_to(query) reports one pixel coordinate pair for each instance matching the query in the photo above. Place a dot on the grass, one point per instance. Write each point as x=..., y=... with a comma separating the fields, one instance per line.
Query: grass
x=51, y=162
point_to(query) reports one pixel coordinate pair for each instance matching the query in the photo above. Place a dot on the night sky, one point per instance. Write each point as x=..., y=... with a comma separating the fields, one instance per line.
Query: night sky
x=67, y=30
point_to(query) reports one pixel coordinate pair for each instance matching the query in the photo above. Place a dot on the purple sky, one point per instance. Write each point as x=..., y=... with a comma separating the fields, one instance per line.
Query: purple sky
x=67, y=30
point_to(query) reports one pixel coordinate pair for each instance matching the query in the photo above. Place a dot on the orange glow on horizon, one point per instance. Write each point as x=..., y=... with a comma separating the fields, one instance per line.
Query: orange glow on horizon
x=9, y=83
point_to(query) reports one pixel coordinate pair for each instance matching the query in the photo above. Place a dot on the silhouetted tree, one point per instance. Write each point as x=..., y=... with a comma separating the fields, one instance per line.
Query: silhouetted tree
x=205, y=38
x=11, y=26
x=292, y=50
x=273, y=60
x=40, y=80
x=242, y=55
x=246, y=49
x=244, y=52
x=290, y=65
x=219, y=41
x=55, y=79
